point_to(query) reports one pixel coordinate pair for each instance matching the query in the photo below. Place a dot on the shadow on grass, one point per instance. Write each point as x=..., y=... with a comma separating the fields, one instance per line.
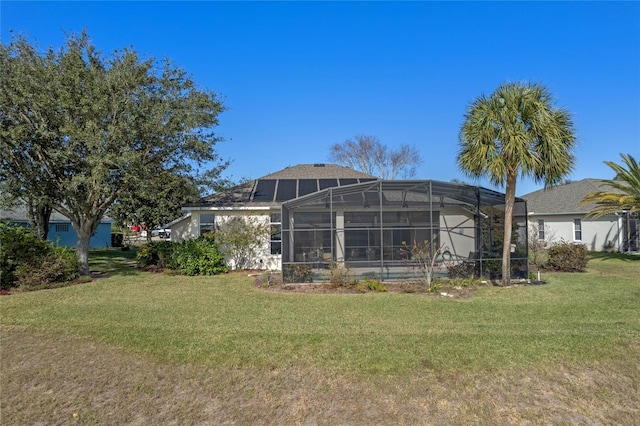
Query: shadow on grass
x=113, y=261
x=601, y=255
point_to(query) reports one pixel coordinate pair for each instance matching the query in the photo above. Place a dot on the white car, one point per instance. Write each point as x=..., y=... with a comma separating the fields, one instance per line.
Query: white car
x=161, y=232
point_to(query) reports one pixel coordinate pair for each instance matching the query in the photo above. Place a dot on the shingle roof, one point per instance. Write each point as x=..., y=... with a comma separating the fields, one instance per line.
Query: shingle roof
x=19, y=214
x=289, y=183
x=318, y=171
x=564, y=198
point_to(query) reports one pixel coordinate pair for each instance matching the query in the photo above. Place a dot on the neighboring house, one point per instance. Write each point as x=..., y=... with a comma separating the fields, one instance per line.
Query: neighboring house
x=325, y=213
x=558, y=210
x=60, y=230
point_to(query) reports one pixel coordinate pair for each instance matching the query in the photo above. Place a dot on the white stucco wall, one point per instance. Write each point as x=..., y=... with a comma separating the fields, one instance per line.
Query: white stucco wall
x=595, y=233
x=457, y=232
x=182, y=230
x=189, y=228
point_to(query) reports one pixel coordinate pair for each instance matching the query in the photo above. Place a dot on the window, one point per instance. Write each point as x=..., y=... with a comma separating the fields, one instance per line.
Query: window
x=541, y=229
x=276, y=233
x=62, y=227
x=207, y=222
x=577, y=229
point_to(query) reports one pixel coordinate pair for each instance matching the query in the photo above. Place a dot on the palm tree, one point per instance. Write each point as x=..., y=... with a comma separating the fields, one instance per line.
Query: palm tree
x=517, y=130
x=623, y=190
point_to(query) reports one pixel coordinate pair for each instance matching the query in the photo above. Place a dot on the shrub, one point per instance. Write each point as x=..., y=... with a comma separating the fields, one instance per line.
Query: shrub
x=370, y=285
x=19, y=246
x=462, y=270
x=198, y=257
x=156, y=253
x=297, y=273
x=268, y=280
x=568, y=257
x=339, y=274
x=464, y=282
x=61, y=265
x=117, y=239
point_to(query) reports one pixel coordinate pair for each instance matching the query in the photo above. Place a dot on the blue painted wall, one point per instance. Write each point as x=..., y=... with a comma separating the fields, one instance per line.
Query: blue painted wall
x=63, y=234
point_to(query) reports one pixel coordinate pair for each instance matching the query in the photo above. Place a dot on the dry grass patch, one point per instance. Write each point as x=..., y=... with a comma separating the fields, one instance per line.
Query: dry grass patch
x=54, y=379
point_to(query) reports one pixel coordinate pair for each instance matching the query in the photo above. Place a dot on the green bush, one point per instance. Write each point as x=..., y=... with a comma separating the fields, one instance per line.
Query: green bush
x=198, y=257
x=61, y=265
x=370, y=285
x=297, y=274
x=464, y=282
x=158, y=253
x=29, y=262
x=568, y=257
x=19, y=246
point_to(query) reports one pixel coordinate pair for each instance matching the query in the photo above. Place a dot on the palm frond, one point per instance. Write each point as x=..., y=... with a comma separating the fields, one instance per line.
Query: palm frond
x=624, y=193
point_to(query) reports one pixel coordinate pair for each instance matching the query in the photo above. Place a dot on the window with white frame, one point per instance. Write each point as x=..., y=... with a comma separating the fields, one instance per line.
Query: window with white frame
x=275, y=226
x=577, y=229
x=541, y=229
x=207, y=222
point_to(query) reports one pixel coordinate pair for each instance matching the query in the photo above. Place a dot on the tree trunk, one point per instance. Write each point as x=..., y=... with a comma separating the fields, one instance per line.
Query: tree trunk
x=84, y=230
x=82, y=251
x=39, y=215
x=509, y=201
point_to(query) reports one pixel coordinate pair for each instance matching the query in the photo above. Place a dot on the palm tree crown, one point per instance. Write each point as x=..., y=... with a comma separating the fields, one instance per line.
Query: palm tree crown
x=624, y=193
x=517, y=130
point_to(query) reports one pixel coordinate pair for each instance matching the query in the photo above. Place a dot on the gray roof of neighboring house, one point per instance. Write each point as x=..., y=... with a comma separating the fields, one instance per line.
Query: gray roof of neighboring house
x=273, y=189
x=19, y=214
x=565, y=198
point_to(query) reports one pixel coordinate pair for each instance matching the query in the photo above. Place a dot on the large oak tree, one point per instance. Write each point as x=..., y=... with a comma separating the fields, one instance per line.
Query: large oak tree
x=80, y=129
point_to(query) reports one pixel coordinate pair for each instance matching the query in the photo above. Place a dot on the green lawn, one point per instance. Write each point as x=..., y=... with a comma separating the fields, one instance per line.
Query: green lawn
x=225, y=321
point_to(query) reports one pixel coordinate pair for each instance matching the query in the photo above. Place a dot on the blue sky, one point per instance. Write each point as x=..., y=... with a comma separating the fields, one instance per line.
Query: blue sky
x=298, y=77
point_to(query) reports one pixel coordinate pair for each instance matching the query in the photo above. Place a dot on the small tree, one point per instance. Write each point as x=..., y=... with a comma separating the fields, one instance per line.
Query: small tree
x=424, y=255
x=538, y=247
x=241, y=238
x=369, y=155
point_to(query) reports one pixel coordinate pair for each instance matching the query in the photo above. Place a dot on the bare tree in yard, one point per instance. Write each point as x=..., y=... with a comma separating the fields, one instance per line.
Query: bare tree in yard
x=424, y=256
x=369, y=155
x=516, y=131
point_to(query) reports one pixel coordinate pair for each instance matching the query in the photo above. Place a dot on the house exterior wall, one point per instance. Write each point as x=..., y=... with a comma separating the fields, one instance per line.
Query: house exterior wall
x=62, y=234
x=183, y=230
x=595, y=233
x=457, y=233
x=189, y=228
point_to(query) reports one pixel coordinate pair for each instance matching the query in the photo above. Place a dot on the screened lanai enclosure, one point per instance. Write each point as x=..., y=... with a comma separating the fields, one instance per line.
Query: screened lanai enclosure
x=378, y=229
